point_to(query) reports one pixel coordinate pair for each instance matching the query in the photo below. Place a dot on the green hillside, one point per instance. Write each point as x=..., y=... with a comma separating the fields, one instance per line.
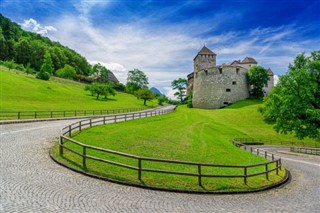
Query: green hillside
x=21, y=92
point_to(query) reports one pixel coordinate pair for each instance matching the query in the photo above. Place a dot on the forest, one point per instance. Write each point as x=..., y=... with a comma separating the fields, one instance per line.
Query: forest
x=29, y=49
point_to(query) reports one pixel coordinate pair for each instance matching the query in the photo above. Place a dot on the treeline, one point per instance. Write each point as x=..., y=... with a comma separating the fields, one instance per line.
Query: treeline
x=28, y=49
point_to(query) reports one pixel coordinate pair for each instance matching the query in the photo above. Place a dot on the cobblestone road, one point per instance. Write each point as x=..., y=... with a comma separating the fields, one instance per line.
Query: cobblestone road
x=31, y=182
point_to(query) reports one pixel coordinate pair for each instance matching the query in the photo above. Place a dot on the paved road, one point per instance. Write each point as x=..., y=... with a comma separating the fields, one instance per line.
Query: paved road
x=31, y=182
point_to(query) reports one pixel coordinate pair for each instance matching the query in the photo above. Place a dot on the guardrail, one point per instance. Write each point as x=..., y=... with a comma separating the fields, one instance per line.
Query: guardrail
x=273, y=165
x=260, y=141
x=305, y=150
x=12, y=114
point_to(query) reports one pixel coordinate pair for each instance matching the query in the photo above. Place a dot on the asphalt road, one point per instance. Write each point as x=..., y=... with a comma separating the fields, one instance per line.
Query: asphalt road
x=31, y=182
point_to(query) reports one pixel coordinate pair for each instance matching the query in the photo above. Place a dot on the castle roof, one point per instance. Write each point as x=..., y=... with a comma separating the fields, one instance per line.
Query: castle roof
x=270, y=72
x=249, y=60
x=206, y=51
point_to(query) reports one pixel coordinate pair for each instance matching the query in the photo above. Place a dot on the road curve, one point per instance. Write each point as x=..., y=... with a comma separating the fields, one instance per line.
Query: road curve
x=31, y=182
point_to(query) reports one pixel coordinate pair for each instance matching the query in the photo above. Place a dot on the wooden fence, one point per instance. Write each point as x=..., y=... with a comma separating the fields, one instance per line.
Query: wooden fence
x=260, y=141
x=5, y=114
x=305, y=150
x=273, y=165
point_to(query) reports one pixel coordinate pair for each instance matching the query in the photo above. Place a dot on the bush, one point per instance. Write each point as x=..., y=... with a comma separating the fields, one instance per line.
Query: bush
x=119, y=87
x=43, y=76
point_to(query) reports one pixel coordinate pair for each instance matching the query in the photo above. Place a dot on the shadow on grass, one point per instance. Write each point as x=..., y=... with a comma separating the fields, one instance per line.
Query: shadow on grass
x=242, y=104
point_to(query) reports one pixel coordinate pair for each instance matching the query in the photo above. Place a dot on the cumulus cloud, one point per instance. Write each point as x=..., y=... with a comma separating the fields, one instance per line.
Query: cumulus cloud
x=33, y=26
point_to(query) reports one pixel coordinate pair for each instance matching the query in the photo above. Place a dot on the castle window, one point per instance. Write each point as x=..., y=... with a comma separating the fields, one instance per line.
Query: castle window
x=220, y=70
x=237, y=70
x=234, y=82
x=226, y=103
x=228, y=90
x=206, y=72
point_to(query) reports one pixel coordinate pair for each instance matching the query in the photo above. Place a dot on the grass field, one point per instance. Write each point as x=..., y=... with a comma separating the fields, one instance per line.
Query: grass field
x=21, y=92
x=188, y=134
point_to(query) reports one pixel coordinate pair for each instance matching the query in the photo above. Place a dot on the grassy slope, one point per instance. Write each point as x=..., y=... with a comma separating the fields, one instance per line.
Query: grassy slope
x=188, y=134
x=21, y=92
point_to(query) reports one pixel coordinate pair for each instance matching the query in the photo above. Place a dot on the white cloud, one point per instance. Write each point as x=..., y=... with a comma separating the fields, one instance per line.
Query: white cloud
x=33, y=26
x=166, y=53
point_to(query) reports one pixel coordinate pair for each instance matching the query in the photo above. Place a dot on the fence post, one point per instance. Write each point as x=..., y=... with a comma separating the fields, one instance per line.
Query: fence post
x=51, y=114
x=85, y=113
x=64, y=113
x=104, y=120
x=257, y=151
x=84, y=157
x=272, y=156
x=267, y=172
x=75, y=113
x=125, y=117
x=199, y=175
x=18, y=115
x=60, y=145
x=133, y=116
x=80, y=126
x=35, y=114
x=277, y=165
x=280, y=163
x=245, y=174
x=139, y=169
x=265, y=154
x=90, y=122
x=70, y=131
x=115, y=118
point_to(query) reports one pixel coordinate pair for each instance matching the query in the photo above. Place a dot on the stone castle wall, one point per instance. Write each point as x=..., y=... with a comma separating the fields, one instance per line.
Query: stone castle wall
x=216, y=87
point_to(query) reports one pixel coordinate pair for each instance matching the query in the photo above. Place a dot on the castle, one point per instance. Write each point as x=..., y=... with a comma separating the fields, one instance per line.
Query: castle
x=215, y=86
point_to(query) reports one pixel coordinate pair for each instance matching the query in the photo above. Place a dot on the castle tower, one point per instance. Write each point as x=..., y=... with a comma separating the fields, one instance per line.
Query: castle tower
x=204, y=59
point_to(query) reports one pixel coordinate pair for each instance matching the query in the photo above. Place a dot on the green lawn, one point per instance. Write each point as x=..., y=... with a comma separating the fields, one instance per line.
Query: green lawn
x=21, y=92
x=195, y=135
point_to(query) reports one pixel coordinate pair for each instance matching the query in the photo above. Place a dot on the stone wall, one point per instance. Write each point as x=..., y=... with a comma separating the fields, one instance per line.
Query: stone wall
x=216, y=87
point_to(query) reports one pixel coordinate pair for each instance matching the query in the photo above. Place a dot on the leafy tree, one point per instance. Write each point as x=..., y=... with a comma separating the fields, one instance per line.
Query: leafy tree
x=101, y=89
x=162, y=99
x=258, y=78
x=66, y=72
x=100, y=72
x=180, y=85
x=47, y=65
x=144, y=94
x=294, y=103
x=43, y=76
x=136, y=80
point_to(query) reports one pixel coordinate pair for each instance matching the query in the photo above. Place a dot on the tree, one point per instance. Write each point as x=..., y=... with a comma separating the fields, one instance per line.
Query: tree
x=258, y=78
x=9, y=64
x=100, y=72
x=66, y=72
x=294, y=104
x=180, y=85
x=136, y=80
x=100, y=89
x=162, y=99
x=144, y=94
x=46, y=68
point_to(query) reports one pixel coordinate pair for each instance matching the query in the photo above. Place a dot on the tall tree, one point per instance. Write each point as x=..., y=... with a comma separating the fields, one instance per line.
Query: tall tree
x=66, y=72
x=47, y=65
x=294, y=103
x=258, y=78
x=180, y=85
x=136, y=80
x=145, y=94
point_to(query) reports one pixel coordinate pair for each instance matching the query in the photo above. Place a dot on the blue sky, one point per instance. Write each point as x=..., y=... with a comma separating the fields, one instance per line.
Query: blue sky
x=161, y=37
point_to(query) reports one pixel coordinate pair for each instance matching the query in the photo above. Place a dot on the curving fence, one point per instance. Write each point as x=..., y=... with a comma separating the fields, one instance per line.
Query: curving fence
x=26, y=114
x=260, y=141
x=305, y=150
x=242, y=170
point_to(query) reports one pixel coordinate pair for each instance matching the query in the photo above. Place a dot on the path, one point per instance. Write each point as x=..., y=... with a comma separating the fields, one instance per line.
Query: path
x=31, y=182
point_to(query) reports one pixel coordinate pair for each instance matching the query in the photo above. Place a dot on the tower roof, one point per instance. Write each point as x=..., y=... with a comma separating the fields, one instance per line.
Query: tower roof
x=206, y=51
x=249, y=60
x=270, y=72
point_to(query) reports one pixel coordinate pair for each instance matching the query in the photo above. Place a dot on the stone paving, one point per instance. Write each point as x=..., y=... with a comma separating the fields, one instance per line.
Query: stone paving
x=31, y=182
